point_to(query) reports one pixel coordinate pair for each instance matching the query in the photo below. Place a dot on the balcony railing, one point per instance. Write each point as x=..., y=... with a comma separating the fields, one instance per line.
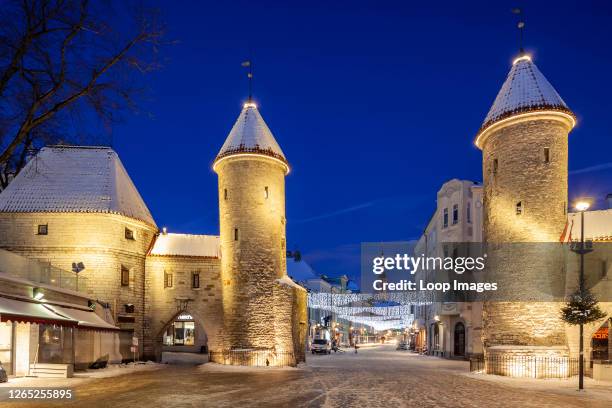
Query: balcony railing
x=17, y=266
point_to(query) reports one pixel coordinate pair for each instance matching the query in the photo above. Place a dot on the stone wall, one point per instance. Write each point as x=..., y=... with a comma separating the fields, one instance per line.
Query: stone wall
x=252, y=229
x=515, y=171
x=205, y=303
x=96, y=239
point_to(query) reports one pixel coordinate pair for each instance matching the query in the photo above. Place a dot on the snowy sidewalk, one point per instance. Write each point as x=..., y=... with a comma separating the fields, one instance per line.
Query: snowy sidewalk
x=113, y=370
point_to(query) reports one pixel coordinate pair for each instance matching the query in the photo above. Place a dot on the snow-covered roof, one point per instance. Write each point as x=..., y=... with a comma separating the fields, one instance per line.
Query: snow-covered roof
x=597, y=225
x=66, y=179
x=250, y=134
x=524, y=90
x=300, y=271
x=170, y=244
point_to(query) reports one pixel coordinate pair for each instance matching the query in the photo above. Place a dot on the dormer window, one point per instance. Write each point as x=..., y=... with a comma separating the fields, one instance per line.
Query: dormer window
x=129, y=234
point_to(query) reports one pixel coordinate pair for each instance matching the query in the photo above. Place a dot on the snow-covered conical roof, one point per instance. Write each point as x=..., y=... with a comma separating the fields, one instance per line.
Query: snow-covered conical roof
x=67, y=179
x=251, y=135
x=525, y=90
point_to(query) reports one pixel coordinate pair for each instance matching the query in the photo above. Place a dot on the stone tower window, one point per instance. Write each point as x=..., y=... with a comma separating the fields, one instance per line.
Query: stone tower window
x=129, y=234
x=168, y=280
x=235, y=234
x=519, y=208
x=546, y=155
x=195, y=280
x=267, y=192
x=495, y=166
x=225, y=194
x=43, y=229
x=125, y=276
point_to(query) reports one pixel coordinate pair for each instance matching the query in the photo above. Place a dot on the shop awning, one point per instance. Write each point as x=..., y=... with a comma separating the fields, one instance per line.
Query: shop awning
x=13, y=310
x=87, y=319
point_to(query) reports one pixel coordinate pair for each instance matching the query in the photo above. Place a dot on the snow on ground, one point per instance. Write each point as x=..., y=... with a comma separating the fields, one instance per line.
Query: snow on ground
x=112, y=370
x=600, y=390
x=374, y=377
x=221, y=368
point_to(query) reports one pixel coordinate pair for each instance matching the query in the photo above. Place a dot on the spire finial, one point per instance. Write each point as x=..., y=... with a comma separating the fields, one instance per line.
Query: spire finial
x=521, y=26
x=249, y=64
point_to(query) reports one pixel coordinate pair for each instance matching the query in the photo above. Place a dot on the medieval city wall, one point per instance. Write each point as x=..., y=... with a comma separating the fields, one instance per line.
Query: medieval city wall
x=98, y=240
x=253, y=246
x=515, y=171
x=163, y=304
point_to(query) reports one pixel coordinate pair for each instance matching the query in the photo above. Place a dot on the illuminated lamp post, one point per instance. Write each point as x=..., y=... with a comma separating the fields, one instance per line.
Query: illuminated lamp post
x=582, y=206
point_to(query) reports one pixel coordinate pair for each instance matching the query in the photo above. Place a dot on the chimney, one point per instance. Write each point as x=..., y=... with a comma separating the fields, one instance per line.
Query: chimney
x=609, y=201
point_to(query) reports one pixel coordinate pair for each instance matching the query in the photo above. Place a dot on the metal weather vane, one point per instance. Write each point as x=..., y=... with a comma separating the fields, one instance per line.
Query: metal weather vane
x=249, y=64
x=521, y=26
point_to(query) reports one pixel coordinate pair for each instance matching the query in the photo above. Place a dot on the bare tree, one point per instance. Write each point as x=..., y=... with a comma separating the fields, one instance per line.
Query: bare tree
x=68, y=61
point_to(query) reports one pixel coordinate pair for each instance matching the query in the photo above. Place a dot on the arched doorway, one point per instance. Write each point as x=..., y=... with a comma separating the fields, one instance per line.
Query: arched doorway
x=600, y=346
x=459, y=339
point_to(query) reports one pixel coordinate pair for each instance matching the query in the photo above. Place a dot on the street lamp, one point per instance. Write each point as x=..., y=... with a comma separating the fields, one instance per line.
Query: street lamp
x=581, y=205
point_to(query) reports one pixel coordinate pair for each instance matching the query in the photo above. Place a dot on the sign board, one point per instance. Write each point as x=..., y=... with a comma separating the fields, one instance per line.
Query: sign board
x=184, y=316
x=134, y=341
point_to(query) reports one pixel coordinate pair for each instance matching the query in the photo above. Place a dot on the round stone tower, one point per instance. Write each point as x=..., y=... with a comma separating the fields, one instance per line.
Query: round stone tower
x=251, y=168
x=525, y=152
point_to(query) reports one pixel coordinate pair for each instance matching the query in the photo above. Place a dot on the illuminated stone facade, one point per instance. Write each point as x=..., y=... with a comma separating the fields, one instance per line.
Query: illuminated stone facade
x=525, y=201
x=524, y=141
x=98, y=241
x=242, y=305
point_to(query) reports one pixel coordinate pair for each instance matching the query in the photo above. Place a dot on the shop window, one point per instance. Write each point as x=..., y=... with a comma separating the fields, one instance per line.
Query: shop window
x=43, y=229
x=129, y=234
x=195, y=280
x=455, y=214
x=180, y=332
x=167, y=280
x=125, y=276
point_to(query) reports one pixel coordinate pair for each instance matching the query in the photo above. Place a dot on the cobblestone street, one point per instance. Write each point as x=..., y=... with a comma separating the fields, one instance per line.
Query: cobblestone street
x=375, y=377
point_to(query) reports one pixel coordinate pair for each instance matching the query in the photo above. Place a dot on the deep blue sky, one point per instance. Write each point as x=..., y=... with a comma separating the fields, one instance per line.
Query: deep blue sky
x=375, y=105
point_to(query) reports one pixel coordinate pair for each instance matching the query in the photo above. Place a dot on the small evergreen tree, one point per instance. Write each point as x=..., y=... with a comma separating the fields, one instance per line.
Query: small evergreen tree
x=581, y=308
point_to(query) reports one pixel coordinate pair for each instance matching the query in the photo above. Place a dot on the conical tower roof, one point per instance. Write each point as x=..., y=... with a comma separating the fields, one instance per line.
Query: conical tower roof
x=251, y=135
x=525, y=90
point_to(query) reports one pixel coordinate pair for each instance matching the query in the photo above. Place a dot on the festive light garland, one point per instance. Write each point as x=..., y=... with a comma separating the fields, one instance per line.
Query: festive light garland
x=380, y=311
